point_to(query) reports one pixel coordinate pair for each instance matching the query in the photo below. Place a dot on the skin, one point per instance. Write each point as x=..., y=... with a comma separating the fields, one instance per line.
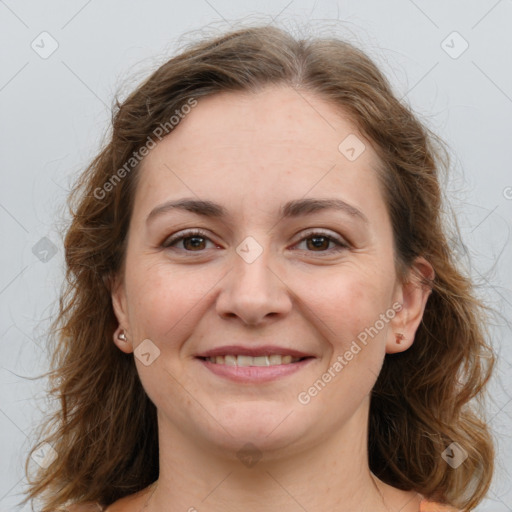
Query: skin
x=251, y=153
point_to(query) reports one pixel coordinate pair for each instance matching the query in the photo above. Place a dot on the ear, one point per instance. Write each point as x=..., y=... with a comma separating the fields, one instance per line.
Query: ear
x=413, y=295
x=119, y=303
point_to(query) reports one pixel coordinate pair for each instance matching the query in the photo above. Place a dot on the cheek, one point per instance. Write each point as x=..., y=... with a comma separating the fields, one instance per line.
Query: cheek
x=348, y=299
x=166, y=300
x=348, y=309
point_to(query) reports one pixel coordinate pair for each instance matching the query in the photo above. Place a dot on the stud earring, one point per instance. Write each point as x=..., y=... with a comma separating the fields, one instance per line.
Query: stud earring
x=121, y=336
x=399, y=337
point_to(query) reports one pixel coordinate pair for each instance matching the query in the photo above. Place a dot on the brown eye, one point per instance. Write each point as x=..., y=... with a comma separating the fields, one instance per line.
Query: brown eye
x=192, y=241
x=319, y=242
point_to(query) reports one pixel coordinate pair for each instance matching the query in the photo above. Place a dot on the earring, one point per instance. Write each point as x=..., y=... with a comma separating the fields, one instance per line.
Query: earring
x=121, y=336
x=399, y=337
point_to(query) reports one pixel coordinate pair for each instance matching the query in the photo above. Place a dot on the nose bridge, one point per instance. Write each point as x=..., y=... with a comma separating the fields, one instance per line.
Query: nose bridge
x=252, y=291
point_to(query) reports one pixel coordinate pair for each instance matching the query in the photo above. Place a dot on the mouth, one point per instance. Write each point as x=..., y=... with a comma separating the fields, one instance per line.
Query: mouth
x=253, y=364
x=260, y=361
x=244, y=369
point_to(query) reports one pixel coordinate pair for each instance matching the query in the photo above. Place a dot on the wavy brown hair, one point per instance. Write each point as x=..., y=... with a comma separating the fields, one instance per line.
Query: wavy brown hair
x=105, y=430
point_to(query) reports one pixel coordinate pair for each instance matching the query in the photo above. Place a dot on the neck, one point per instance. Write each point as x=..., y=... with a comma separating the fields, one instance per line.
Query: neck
x=329, y=475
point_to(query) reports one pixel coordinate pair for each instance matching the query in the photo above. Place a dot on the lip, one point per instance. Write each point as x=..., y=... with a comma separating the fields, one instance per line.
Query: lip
x=263, y=350
x=255, y=374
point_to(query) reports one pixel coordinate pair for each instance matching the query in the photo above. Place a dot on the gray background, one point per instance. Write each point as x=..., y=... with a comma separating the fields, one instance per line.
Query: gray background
x=55, y=110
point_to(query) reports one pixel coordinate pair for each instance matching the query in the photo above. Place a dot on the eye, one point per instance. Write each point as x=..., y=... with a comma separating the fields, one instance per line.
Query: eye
x=318, y=241
x=193, y=240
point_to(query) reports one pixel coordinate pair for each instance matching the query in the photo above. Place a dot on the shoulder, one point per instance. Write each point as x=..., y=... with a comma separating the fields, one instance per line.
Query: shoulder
x=119, y=506
x=84, y=507
x=130, y=503
x=432, y=506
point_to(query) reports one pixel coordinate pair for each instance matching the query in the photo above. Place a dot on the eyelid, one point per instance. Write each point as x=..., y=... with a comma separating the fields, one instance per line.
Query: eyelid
x=323, y=232
x=185, y=234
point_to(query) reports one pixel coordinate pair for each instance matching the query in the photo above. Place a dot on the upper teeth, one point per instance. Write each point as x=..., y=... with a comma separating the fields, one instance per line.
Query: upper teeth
x=272, y=360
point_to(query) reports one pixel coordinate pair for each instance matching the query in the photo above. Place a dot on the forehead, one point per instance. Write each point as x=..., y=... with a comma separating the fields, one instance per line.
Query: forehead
x=261, y=146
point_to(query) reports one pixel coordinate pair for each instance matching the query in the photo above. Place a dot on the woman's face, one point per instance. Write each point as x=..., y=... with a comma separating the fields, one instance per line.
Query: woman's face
x=272, y=270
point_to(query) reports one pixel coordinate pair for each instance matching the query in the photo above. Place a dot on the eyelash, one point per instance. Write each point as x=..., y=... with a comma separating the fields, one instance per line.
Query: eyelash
x=191, y=233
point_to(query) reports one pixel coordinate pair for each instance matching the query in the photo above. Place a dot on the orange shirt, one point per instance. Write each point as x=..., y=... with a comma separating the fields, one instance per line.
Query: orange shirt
x=431, y=506
x=425, y=506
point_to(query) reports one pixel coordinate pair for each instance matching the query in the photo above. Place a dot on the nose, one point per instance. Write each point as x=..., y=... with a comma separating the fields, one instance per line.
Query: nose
x=253, y=292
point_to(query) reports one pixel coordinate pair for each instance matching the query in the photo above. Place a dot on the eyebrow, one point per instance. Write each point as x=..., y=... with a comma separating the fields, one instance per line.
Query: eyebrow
x=295, y=208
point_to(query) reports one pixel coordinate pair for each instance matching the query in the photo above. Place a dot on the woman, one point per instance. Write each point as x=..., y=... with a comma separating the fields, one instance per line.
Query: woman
x=263, y=311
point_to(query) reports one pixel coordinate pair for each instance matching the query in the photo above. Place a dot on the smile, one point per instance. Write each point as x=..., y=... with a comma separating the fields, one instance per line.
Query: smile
x=241, y=360
x=254, y=370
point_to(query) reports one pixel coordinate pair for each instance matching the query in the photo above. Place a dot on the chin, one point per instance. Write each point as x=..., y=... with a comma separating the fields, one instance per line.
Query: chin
x=267, y=427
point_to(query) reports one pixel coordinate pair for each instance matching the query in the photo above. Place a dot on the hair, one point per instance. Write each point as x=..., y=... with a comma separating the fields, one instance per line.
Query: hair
x=105, y=429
